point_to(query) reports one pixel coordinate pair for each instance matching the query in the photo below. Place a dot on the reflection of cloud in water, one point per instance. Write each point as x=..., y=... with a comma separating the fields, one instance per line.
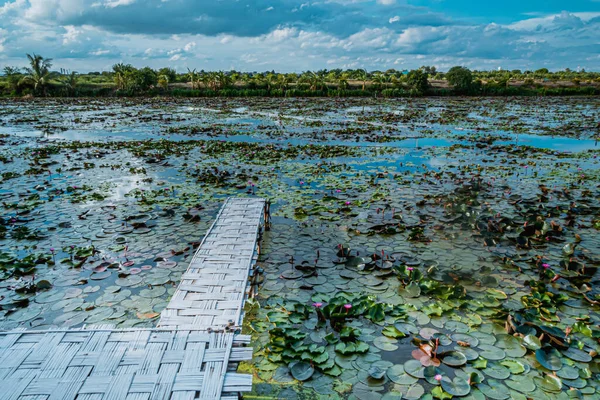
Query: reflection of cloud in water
x=124, y=185
x=438, y=162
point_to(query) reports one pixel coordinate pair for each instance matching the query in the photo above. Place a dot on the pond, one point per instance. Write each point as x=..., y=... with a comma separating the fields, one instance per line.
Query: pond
x=419, y=248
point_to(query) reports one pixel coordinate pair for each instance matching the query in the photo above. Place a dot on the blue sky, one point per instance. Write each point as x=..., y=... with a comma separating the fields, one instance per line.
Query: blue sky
x=289, y=35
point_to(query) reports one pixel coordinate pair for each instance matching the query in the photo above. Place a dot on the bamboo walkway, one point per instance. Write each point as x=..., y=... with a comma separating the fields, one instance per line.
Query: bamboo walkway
x=192, y=354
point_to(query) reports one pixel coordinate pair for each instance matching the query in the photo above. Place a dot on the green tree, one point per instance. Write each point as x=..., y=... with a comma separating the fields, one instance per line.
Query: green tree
x=207, y=80
x=145, y=78
x=461, y=78
x=418, y=79
x=192, y=77
x=284, y=81
x=234, y=77
x=167, y=73
x=222, y=80
x=315, y=81
x=541, y=73
x=38, y=72
x=257, y=81
x=342, y=80
x=70, y=80
x=380, y=80
x=163, y=81
x=363, y=76
x=428, y=70
x=122, y=72
x=270, y=80
x=13, y=76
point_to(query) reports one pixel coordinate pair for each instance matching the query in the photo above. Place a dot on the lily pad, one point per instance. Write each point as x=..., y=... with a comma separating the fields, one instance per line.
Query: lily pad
x=385, y=344
x=532, y=342
x=376, y=372
x=549, y=358
x=490, y=352
x=414, y=369
x=453, y=358
x=494, y=390
x=301, y=370
x=521, y=383
x=549, y=383
x=456, y=387
x=577, y=355
x=412, y=290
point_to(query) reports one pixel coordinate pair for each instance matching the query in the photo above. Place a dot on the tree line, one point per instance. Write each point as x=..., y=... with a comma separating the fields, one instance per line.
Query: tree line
x=37, y=79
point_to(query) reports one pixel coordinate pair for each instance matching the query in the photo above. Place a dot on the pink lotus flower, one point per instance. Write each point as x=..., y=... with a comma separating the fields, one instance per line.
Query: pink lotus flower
x=317, y=305
x=409, y=268
x=438, y=377
x=546, y=266
x=347, y=203
x=347, y=306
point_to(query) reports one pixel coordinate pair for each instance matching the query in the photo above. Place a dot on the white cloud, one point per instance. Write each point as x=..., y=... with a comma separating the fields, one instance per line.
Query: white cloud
x=418, y=35
x=189, y=46
x=99, y=52
x=118, y=3
x=279, y=35
x=533, y=24
x=43, y=10
x=3, y=34
x=71, y=35
x=226, y=39
x=376, y=34
x=14, y=6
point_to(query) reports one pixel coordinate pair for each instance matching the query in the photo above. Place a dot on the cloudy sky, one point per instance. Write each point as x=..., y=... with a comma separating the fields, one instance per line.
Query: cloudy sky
x=289, y=35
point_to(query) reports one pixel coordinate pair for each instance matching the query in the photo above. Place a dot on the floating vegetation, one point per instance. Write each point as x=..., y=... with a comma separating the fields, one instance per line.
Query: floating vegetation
x=420, y=249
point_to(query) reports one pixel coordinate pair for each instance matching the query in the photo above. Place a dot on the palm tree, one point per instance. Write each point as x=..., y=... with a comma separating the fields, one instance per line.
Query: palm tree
x=314, y=80
x=270, y=80
x=332, y=77
x=234, y=77
x=38, y=73
x=363, y=76
x=192, y=77
x=380, y=80
x=258, y=80
x=223, y=80
x=69, y=80
x=247, y=79
x=284, y=80
x=397, y=80
x=342, y=80
x=206, y=79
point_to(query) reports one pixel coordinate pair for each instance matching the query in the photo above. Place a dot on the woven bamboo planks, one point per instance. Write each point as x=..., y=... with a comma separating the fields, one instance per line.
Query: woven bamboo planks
x=194, y=353
x=211, y=293
x=121, y=364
